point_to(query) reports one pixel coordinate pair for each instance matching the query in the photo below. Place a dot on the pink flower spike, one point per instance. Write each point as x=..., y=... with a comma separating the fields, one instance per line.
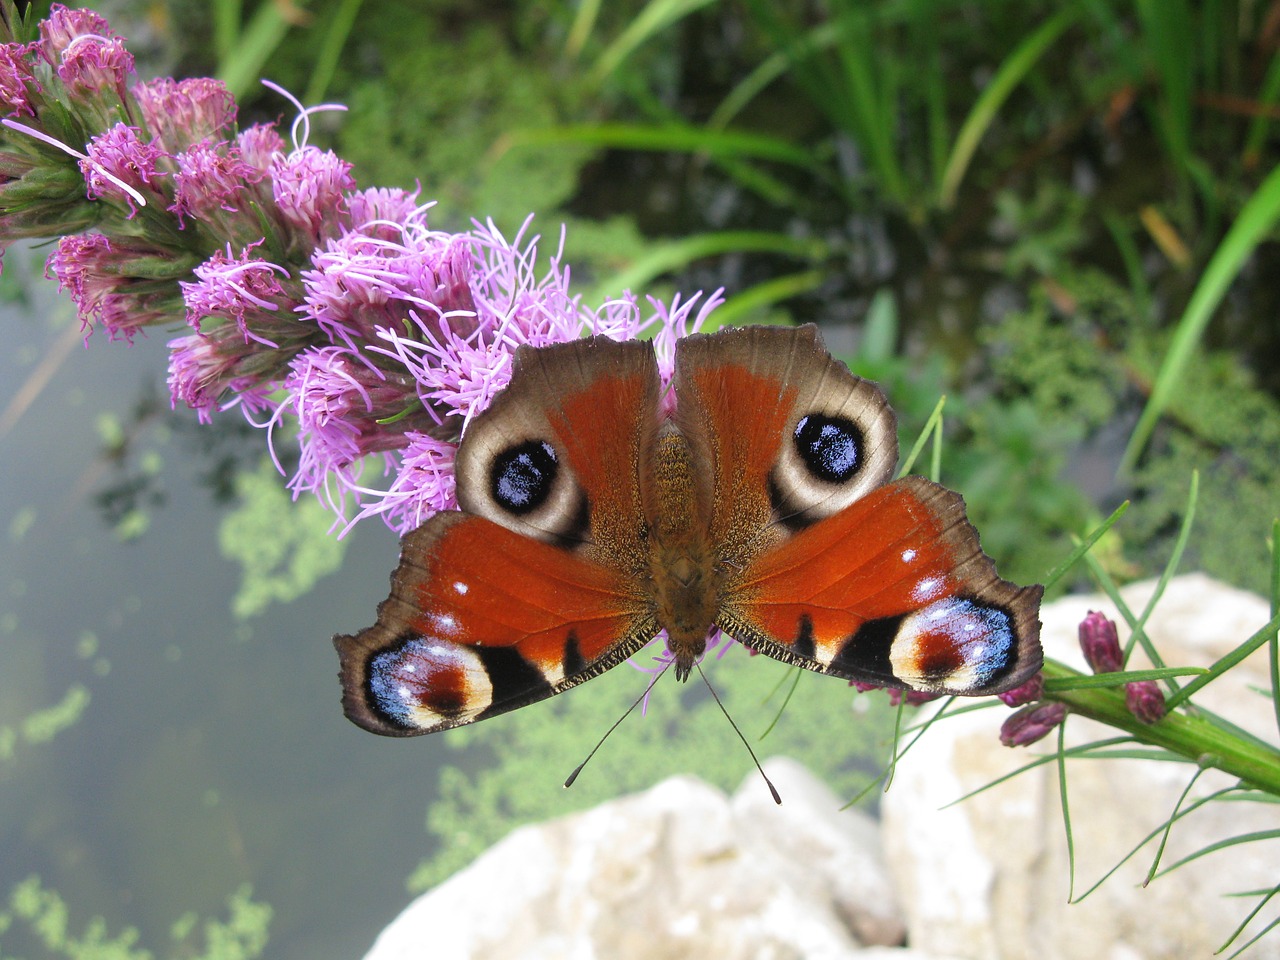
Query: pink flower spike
x=118, y=157
x=91, y=64
x=63, y=26
x=181, y=113
x=16, y=79
x=239, y=288
x=310, y=188
x=138, y=198
x=424, y=485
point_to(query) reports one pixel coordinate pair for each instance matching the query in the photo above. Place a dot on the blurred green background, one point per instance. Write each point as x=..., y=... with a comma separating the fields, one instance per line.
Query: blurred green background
x=1061, y=215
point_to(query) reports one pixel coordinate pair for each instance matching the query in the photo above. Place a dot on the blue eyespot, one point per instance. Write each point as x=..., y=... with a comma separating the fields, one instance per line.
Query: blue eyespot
x=831, y=447
x=522, y=477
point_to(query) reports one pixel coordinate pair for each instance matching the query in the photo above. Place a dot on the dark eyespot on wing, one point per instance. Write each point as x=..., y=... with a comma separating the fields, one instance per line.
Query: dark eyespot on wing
x=831, y=447
x=521, y=478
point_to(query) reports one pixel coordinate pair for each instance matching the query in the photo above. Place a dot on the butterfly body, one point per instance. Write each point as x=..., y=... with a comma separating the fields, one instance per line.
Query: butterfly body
x=594, y=515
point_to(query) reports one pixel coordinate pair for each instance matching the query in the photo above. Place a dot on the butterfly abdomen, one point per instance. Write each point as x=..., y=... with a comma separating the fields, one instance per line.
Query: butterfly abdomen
x=686, y=578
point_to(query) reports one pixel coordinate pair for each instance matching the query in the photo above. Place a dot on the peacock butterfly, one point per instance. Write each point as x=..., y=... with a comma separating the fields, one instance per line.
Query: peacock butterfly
x=594, y=514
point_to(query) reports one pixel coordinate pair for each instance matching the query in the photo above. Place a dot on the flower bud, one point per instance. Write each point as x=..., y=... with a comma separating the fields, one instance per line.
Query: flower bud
x=1100, y=643
x=1029, y=692
x=1144, y=700
x=1032, y=723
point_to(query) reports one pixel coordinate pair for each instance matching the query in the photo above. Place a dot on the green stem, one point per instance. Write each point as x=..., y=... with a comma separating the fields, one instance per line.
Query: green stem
x=1200, y=739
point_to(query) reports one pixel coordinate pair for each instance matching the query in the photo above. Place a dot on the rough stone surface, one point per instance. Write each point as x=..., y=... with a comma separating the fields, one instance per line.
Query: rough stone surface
x=680, y=870
x=988, y=878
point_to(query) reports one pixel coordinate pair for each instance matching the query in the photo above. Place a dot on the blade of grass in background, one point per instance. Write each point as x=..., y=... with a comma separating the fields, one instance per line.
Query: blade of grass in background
x=672, y=255
x=251, y=48
x=678, y=137
x=1011, y=72
x=1258, y=217
x=653, y=19
x=335, y=38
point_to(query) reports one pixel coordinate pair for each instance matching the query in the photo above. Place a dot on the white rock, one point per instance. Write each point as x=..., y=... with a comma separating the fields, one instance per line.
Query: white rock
x=677, y=871
x=988, y=878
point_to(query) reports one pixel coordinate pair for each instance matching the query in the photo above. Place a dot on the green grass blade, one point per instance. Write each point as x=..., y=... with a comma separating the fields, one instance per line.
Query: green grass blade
x=674, y=137
x=652, y=20
x=1227, y=662
x=1229, y=842
x=254, y=46
x=1084, y=546
x=1066, y=812
x=665, y=257
x=584, y=21
x=1011, y=72
x=766, y=294
x=1164, y=836
x=1102, y=680
x=934, y=423
x=1275, y=609
x=335, y=38
x=1253, y=224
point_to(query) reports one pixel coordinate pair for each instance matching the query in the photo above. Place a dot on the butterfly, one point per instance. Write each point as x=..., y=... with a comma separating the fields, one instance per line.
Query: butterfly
x=598, y=510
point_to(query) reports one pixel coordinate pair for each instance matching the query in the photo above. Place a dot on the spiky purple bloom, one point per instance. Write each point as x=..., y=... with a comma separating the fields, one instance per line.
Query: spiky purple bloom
x=259, y=146
x=61, y=28
x=102, y=277
x=180, y=113
x=92, y=65
x=1033, y=722
x=121, y=153
x=310, y=187
x=209, y=372
x=17, y=82
x=211, y=180
x=1100, y=643
x=242, y=288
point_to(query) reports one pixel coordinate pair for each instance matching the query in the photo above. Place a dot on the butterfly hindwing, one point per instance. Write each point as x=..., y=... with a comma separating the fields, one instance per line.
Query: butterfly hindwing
x=894, y=591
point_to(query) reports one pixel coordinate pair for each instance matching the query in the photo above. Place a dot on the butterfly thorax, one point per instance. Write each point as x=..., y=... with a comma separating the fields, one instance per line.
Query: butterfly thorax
x=684, y=572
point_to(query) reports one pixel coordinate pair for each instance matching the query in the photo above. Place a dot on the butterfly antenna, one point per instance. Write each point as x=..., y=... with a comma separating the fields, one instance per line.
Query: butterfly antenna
x=626, y=713
x=777, y=798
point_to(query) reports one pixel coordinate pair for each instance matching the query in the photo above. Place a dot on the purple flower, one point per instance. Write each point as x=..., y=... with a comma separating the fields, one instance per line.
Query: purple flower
x=259, y=146
x=912, y=698
x=1100, y=643
x=1145, y=701
x=119, y=157
x=424, y=485
x=1031, y=723
x=244, y=289
x=181, y=113
x=206, y=368
x=1029, y=692
x=61, y=28
x=92, y=65
x=112, y=283
x=16, y=79
x=210, y=181
x=310, y=189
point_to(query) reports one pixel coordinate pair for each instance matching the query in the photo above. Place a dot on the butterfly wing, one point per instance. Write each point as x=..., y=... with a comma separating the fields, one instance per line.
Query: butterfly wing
x=482, y=620
x=893, y=590
x=826, y=566
x=537, y=584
